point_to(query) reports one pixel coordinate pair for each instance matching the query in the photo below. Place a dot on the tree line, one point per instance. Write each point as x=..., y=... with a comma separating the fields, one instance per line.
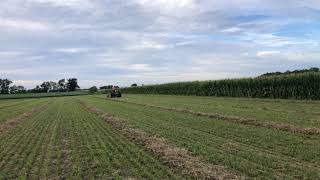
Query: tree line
x=313, y=69
x=62, y=85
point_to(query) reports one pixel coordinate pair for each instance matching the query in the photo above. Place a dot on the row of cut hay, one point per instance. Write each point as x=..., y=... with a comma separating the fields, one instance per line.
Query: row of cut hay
x=239, y=120
x=17, y=120
x=176, y=157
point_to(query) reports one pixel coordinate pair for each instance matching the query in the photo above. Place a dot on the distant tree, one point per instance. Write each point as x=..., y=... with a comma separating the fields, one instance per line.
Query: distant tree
x=62, y=83
x=134, y=85
x=17, y=89
x=37, y=89
x=21, y=89
x=314, y=69
x=54, y=85
x=106, y=87
x=72, y=84
x=93, y=89
x=4, y=86
x=45, y=86
x=13, y=89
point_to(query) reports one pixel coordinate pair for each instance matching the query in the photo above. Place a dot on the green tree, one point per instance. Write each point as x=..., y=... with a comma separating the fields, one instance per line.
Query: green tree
x=93, y=89
x=134, y=85
x=37, y=89
x=62, y=83
x=17, y=89
x=46, y=86
x=53, y=85
x=72, y=84
x=106, y=87
x=314, y=69
x=5, y=85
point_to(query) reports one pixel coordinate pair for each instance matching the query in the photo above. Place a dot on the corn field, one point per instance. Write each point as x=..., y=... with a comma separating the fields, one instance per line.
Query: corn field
x=292, y=86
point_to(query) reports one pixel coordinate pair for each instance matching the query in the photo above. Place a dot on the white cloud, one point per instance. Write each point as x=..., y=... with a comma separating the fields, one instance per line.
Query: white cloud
x=5, y=54
x=168, y=10
x=112, y=64
x=123, y=65
x=232, y=30
x=19, y=24
x=27, y=83
x=140, y=67
x=311, y=4
x=270, y=40
x=264, y=54
x=147, y=45
x=72, y=50
x=75, y=4
x=301, y=57
x=155, y=40
x=169, y=4
x=291, y=56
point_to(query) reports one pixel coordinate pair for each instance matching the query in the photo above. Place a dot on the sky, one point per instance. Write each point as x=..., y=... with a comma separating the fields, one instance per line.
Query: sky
x=122, y=42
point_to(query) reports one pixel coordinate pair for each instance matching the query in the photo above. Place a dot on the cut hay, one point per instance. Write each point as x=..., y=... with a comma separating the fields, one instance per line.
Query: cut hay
x=239, y=120
x=11, y=123
x=175, y=157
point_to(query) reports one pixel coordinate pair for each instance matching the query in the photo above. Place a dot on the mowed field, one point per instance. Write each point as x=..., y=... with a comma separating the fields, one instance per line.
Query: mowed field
x=159, y=137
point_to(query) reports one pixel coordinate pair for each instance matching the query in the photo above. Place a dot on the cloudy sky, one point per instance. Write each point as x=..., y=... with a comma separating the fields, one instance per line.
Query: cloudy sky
x=153, y=41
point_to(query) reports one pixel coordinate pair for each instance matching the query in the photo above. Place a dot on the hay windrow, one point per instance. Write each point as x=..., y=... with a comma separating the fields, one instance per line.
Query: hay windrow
x=11, y=123
x=234, y=119
x=178, y=158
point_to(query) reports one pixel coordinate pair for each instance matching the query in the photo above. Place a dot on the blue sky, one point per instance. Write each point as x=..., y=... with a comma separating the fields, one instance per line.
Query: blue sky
x=122, y=42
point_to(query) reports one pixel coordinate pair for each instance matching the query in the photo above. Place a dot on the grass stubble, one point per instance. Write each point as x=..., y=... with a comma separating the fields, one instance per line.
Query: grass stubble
x=64, y=141
x=59, y=139
x=244, y=149
x=176, y=157
x=235, y=119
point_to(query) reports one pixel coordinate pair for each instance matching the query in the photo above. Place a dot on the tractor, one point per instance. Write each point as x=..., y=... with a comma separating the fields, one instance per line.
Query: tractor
x=114, y=93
